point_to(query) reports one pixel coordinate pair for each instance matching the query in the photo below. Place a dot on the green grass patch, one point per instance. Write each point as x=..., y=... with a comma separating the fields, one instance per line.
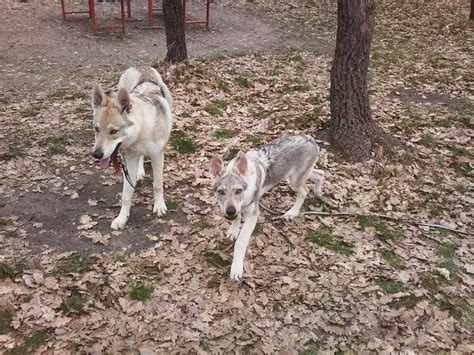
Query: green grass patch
x=77, y=263
x=326, y=239
x=185, y=114
x=215, y=259
x=258, y=228
x=55, y=149
x=6, y=317
x=409, y=302
x=447, y=249
x=230, y=153
x=391, y=286
x=141, y=292
x=243, y=82
x=12, y=270
x=461, y=188
x=454, y=271
x=428, y=140
x=11, y=234
x=393, y=259
x=12, y=153
x=172, y=205
x=57, y=94
x=202, y=224
x=213, y=110
x=365, y=222
x=460, y=151
x=385, y=232
x=74, y=302
x=224, y=86
x=181, y=143
x=225, y=133
x=254, y=140
x=118, y=258
x=461, y=168
x=32, y=342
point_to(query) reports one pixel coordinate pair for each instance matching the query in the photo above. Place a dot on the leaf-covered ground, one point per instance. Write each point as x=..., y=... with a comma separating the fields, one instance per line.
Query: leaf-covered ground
x=316, y=283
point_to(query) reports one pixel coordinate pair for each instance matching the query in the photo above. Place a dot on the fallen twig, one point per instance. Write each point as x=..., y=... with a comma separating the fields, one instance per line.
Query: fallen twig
x=352, y=214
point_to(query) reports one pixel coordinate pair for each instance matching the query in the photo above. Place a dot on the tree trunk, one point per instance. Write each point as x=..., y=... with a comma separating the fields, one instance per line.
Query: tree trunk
x=352, y=131
x=174, y=27
x=471, y=16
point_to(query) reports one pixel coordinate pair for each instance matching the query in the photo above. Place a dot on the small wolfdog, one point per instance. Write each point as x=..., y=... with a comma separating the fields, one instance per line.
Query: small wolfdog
x=239, y=186
x=137, y=120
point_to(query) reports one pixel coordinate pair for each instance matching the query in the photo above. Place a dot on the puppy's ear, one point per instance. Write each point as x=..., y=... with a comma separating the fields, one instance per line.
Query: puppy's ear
x=123, y=99
x=240, y=165
x=98, y=97
x=217, y=167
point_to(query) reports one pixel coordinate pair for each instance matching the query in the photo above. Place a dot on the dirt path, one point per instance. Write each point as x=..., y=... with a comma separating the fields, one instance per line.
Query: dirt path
x=41, y=52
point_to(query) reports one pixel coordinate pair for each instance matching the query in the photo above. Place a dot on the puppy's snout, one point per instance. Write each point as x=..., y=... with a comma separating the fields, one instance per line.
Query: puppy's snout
x=98, y=154
x=231, y=212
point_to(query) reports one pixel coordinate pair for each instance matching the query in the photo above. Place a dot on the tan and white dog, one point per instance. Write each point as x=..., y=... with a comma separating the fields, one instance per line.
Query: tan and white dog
x=137, y=120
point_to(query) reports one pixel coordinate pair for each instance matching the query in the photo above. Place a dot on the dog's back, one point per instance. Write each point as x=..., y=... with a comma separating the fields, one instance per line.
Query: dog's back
x=287, y=155
x=145, y=81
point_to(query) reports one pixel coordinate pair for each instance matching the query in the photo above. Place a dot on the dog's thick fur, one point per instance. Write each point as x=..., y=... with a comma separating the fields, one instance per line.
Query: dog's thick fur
x=137, y=119
x=239, y=186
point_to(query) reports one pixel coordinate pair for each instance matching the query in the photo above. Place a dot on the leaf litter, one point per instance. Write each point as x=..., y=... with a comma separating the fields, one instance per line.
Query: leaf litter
x=316, y=283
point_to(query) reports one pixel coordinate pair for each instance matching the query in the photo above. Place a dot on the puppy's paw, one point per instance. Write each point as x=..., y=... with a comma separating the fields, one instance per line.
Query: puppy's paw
x=236, y=271
x=140, y=173
x=232, y=233
x=118, y=223
x=160, y=208
x=290, y=214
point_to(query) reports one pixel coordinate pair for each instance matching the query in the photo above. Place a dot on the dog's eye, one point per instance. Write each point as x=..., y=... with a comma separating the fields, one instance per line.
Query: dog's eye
x=113, y=131
x=221, y=192
x=238, y=191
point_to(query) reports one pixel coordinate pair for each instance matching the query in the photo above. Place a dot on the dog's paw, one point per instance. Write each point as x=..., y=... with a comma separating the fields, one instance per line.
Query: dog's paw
x=118, y=223
x=236, y=271
x=290, y=214
x=232, y=233
x=159, y=208
x=318, y=192
x=140, y=173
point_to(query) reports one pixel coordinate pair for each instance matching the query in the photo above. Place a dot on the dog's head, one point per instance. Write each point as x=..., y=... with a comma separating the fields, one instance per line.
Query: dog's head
x=110, y=123
x=229, y=184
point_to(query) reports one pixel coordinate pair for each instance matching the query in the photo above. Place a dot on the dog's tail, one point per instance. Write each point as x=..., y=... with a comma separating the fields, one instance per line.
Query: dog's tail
x=129, y=79
x=163, y=87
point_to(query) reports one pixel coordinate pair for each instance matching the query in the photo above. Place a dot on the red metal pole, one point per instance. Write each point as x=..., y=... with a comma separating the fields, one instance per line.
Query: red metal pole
x=207, y=12
x=129, y=9
x=63, y=10
x=122, y=12
x=150, y=12
x=92, y=11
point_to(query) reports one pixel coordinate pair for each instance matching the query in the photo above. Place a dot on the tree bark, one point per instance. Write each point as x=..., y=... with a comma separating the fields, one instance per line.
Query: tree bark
x=471, y=16
x=174, y=28
x=352, y=131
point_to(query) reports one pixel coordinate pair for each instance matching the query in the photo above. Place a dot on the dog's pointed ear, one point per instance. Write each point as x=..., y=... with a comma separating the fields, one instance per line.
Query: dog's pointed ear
x=123, y=99
x=98, y=97
x=217, y=167
x=240, y=165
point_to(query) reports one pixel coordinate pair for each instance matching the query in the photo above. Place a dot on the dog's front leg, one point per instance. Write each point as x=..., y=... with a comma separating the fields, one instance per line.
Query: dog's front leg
x=234, y=229
x=157, y=162
x=127, y=192
x=240, y=247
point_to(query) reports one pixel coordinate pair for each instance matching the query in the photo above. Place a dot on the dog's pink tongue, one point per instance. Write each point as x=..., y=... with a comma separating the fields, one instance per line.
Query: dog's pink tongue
x=104, y=163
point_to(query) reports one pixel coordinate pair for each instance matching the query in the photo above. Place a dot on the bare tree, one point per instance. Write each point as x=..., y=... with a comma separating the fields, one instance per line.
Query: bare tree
x=174, y=27
x=352, y=131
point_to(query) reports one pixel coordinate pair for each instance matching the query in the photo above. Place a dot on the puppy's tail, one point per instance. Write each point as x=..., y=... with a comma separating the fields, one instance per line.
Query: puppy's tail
x=163, y=87
x=129, y=79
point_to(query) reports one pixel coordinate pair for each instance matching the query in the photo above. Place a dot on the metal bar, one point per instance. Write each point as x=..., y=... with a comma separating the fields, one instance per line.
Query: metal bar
x=129, y=9
x=63, y=10
x=150, y=12
x=122, y=13
x=93, y=24
x=208, y=6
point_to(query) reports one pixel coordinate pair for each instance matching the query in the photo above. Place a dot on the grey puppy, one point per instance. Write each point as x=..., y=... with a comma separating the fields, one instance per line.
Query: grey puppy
x=239, y=186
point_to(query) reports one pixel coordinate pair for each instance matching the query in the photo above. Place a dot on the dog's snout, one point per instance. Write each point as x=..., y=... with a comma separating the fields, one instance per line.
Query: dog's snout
x=230, y=211
x=98, y=154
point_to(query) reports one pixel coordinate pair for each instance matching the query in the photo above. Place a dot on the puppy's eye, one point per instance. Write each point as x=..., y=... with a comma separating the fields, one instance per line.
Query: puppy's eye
x=221, y=192
x=97, y=129
x=238, y=191
x=113, y=131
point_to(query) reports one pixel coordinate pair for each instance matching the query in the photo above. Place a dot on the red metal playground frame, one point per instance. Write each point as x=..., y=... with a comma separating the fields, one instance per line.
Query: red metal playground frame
x=151, y=9
x=91, y=13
